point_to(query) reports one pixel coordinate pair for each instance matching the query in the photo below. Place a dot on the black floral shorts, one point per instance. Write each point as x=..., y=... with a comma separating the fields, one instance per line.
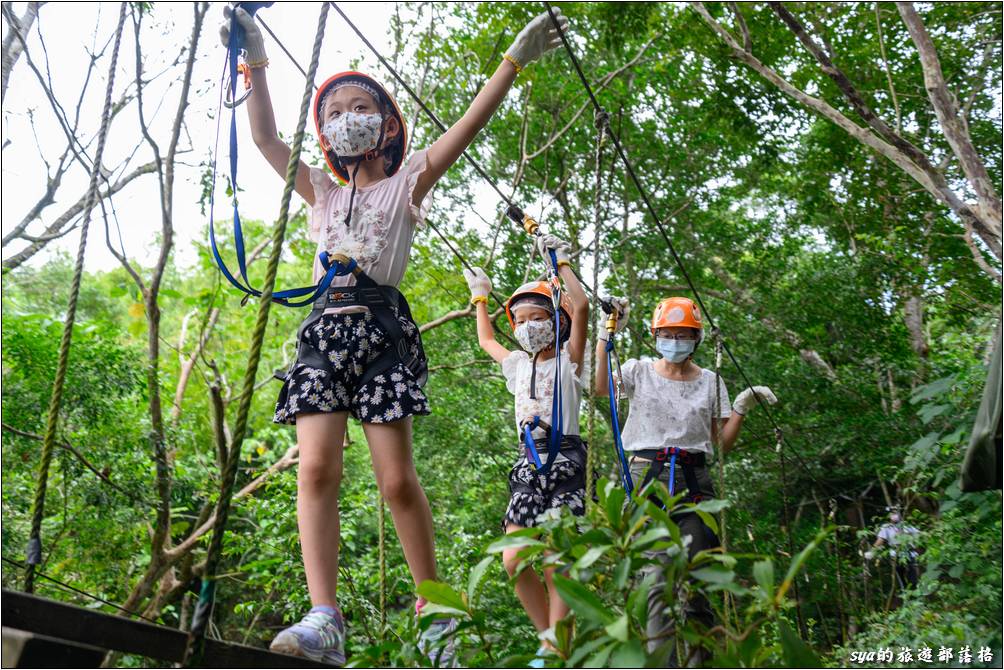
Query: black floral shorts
x=532, y=494
x=351, y=342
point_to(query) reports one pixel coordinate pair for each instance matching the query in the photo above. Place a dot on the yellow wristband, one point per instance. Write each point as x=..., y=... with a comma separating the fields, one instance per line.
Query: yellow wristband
x=479, y=298
x=257, y=64
x=564, y=262
x=519, y=68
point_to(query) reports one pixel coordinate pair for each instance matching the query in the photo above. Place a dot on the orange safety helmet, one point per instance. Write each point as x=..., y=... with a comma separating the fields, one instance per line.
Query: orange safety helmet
x=678, y=313
x=394, y=153
x=539, y=293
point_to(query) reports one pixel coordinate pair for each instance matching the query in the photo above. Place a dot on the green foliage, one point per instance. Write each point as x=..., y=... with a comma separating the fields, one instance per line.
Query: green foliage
x=605, y=566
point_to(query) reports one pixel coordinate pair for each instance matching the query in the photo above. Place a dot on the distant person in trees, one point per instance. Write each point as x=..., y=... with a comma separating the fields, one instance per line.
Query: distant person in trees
x=672, y=413
x=372, y=221
x=901, y=539
x=536, y=490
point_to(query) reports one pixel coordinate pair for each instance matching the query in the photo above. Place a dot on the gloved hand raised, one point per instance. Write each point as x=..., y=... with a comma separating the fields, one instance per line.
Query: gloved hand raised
x=623, y=309
x=537, y=38
x=254, y=44
x=546, y=243
x=745, y=401
x=479, y=284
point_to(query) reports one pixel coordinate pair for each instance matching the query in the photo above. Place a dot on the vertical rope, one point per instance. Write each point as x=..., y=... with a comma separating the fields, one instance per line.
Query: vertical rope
x=716, y=431
x=601, y=120
x=34, y=552
x=841, y=609
x=787, y=523
x=200, y=619
x=720, y=453
x=382, y=552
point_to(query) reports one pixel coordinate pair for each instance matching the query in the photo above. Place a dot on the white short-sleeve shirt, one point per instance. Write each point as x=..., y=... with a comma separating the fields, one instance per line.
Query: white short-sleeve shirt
x=669, y=413
x=517, y=367
x=894, y=536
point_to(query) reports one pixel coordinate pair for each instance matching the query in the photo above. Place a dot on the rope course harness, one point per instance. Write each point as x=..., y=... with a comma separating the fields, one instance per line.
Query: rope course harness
x=34, y=553
x=200, y=619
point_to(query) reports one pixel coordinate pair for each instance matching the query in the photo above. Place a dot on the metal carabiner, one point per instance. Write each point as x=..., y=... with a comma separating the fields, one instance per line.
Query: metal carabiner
x=229, y=102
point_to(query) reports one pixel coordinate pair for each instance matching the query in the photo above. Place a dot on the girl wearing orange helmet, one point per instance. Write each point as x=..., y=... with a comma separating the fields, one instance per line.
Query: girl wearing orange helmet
x=540, y=485
x=363, y=137
x=671, y=428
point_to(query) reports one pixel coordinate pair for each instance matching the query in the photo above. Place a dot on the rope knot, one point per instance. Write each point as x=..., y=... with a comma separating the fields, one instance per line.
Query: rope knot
x=601, y=119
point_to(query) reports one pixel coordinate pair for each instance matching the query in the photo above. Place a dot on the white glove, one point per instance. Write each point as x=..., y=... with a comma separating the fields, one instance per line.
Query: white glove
x=254, y=44
x=479, y=284
x=537, y=38
x=745, y=400
x=869, y=555
x=623, y=310
x=545, y=243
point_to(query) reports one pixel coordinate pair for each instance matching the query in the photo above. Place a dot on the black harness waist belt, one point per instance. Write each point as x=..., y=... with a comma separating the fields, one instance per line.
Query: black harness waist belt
x=697, y=458
x=688, y=461
x=385, y=303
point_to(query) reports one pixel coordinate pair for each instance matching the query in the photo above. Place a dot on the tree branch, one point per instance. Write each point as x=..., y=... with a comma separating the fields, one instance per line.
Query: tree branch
x=934, y=184
x=13, y=42
x=67, y=216
x=100, y=474
x=954, y=126
x=288, y=460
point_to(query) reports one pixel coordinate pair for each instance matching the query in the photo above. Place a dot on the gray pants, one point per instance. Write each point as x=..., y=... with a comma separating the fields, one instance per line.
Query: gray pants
x=660, y=622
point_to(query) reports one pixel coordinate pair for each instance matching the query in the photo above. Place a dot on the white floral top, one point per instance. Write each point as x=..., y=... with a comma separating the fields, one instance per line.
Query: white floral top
x=516, y=369
x=383, y=223
x=669, y=413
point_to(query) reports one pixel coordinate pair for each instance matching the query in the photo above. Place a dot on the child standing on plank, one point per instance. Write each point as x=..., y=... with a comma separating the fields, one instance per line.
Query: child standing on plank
x=672, y=415
x=530, y=374
x=364, y=140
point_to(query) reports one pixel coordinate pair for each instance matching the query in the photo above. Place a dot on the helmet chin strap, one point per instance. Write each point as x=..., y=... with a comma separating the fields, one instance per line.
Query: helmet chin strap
x=369, y=155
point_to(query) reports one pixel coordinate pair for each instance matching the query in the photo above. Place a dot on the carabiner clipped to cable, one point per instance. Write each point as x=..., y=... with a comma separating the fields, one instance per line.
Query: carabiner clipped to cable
x=228, y=101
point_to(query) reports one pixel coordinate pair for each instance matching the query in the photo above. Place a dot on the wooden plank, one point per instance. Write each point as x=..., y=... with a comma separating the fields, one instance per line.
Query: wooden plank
x=84, y=626
x=78, y=624
x=28, y=650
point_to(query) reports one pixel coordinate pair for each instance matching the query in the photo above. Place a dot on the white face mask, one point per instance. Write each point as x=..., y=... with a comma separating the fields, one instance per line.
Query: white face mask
x=535, y=336
x=352, y=134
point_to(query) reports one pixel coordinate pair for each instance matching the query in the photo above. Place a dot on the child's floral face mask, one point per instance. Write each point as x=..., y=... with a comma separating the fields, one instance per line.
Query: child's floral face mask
x=352, y=134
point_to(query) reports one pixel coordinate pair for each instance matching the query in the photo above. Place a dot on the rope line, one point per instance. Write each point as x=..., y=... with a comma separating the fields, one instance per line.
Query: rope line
x=34, y=552
x=669, y=242
x=203, y=609
x=425, y=108
x=600, y=121
x=78, y=591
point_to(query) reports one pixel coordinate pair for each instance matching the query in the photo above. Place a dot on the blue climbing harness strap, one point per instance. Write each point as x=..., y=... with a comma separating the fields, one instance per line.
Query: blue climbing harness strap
x=286, y=297
x=528, y=442
x=615, y=422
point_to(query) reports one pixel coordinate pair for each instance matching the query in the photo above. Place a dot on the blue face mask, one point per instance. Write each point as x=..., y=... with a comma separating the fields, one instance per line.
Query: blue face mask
x=675, y=351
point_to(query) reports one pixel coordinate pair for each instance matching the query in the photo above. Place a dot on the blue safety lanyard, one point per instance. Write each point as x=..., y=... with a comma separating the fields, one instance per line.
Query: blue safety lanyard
x=557, y=416
x=615, y=421
x=672, y=471
x=284, y=297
